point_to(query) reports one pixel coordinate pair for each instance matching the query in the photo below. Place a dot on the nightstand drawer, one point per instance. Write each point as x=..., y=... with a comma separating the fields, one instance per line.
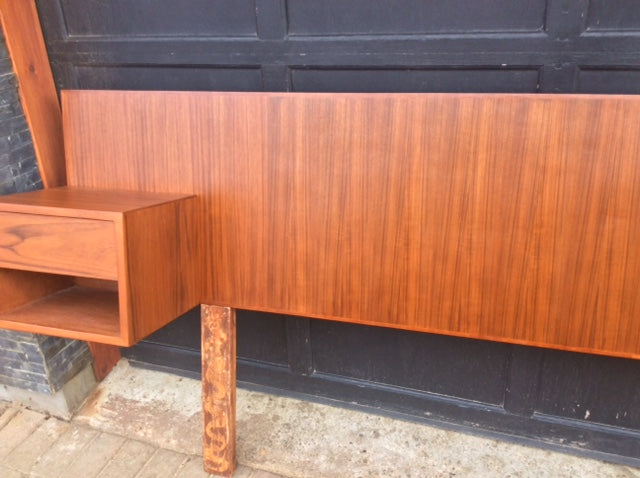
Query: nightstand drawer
x=58, y=245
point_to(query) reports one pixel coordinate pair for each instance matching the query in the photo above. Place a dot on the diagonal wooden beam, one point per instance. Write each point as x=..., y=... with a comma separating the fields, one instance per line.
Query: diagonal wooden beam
x=37, y=89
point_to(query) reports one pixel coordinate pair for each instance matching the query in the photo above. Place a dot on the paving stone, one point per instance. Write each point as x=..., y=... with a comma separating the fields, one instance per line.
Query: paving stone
x=193, y=468
x=63, y=452
x=264, y=474
x=10, y=473
x=95, y=456
x=164, y=463
x=128, y=460
x=27, y=453
x=633, y=472
x=7, y=414
x=21, y=425
x=243, y=472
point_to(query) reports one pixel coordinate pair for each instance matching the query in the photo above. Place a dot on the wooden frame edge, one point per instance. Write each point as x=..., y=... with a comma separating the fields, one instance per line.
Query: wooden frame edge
x=36, y=87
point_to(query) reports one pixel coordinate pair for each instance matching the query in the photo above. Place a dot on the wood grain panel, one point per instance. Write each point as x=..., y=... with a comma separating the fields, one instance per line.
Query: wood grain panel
x=502, y=217
x=160, y=263
x=58, y=245
x=105, y=357
x=85, y=203
x=14, y=294
x=84, y=314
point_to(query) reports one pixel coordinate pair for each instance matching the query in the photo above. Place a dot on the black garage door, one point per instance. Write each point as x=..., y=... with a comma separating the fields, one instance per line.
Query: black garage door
x=559, y=46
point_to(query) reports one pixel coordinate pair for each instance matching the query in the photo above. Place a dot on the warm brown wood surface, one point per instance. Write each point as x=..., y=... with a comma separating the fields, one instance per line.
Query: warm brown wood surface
x=87, y=313
x=105, y=357
x=129, y=252
x=501, y=217
x=38, y=94
x=39, y=99
x=18, y=287
x=219, y=389
x=59, y=245
x=163, y=263
x=88, y=203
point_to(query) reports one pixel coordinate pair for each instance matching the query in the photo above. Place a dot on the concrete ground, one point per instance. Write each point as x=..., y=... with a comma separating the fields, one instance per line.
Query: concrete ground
x=142, y=423
x=33, y=444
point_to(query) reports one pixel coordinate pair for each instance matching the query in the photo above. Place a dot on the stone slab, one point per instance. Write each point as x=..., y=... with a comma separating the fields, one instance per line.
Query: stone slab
x=192, y=468
x=129, y=460
x=19, y=427
x=68, y=448
x=27, y=453
x=301, y=439
x=95, y=457
x=6, y=472
x=162, y=464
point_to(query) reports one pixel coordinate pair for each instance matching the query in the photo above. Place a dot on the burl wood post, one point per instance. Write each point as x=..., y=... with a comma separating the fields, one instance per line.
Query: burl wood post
x=219, y=389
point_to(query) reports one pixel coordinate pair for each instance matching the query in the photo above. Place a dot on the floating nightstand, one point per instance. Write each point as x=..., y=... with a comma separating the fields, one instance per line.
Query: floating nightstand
x=98, y=265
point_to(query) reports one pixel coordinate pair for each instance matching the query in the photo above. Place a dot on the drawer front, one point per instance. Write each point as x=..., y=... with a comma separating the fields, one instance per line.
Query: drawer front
x=58, y=245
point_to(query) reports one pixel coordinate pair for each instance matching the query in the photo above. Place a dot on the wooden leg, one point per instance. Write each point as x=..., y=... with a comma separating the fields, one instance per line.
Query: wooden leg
x=219, y=389
x=105, y=357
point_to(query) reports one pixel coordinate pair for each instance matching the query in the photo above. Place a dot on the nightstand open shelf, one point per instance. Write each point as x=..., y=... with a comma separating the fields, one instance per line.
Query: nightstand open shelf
x=95, y=265
x=89, y=314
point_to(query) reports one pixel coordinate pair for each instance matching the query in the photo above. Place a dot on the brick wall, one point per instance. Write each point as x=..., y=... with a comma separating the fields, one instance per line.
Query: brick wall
x=33, y=362
x=40, y=363
x=18, y=167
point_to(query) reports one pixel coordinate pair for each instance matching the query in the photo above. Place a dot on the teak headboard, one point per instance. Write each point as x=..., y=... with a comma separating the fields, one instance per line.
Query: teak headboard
x=504, y=217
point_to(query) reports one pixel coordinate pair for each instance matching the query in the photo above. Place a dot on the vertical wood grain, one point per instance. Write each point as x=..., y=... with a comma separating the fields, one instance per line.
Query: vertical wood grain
x=219, y=389
x=105, y=357
x=501, y=217
x=161, y=255
x=36, y=87
x=13, y=293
